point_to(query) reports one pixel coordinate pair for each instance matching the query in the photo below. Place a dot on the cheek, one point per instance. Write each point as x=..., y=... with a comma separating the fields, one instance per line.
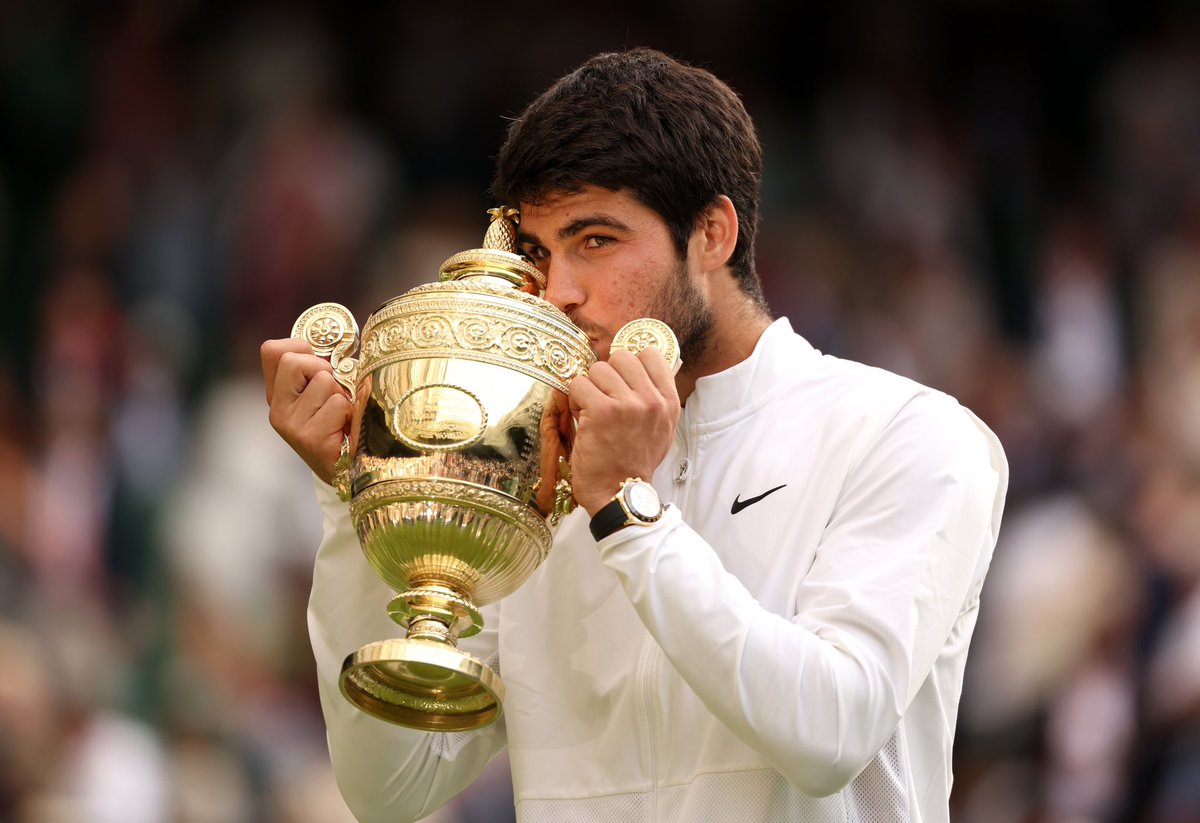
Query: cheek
x=637, y=293
x=627, y=299
x=633, y=294
x=630, y=304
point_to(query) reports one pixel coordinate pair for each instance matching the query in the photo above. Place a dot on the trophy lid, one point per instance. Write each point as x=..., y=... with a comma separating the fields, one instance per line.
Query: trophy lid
x=498, y=260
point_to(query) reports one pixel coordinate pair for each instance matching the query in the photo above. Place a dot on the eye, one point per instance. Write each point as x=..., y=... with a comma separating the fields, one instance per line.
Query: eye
x=596, y=241
x=535, y=253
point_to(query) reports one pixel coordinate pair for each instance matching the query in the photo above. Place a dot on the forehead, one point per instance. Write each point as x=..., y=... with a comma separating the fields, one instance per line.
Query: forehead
x=589, y=203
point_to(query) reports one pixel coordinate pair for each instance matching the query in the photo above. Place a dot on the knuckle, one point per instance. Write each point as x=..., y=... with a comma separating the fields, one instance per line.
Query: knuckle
x=340, y=406
x=326, y=384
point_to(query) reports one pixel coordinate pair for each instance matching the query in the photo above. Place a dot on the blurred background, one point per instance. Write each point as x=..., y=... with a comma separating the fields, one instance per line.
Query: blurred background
x=998, y=198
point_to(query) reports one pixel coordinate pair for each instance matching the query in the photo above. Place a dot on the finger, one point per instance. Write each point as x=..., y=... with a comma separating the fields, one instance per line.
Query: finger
x=659, y=373
x=319, y=439
x=633, y=371
x=608, y=380
x=313, y=424
x=317, y=413
x=316, y=395
x=271, y=351
x=294, y=373
x=334, y=414
x=584, y=394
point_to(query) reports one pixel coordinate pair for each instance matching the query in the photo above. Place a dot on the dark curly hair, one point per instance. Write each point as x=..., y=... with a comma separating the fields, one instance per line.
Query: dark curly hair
x=672, y=135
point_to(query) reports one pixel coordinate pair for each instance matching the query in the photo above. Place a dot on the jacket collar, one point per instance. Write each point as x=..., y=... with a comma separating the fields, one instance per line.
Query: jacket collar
x=779, y=357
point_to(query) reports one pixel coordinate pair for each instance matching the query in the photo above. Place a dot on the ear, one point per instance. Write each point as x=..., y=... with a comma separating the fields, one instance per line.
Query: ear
x=716, y=234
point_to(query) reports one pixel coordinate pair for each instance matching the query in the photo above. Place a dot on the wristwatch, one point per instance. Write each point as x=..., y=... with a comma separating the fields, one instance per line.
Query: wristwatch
x=636, y=503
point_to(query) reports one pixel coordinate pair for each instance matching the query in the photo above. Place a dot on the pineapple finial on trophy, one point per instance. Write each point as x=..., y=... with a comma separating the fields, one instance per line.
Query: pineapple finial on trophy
x=502, y=231
x=498, y=261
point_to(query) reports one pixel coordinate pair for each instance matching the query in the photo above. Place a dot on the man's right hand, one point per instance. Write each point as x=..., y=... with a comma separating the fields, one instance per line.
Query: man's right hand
x=309, y=408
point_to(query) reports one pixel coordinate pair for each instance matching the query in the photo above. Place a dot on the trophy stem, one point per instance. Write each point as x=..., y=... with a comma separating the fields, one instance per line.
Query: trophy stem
x=424, y=608
x=432, y=630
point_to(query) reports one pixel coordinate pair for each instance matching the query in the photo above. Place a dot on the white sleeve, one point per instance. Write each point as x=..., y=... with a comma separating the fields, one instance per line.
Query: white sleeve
x=819, y=694
x=385, y=772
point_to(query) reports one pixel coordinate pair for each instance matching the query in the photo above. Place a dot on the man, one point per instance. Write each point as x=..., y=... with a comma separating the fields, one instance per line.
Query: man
x=787, y=640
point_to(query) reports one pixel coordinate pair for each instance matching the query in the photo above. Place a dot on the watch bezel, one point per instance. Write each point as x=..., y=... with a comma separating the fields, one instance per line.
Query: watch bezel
x=626, y=498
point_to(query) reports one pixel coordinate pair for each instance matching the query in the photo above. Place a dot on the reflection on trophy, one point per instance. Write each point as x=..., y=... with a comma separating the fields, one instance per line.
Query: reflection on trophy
x=456, y=464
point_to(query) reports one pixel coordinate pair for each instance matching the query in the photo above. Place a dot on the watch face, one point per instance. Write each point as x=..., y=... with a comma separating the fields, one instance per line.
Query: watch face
x=643, y=501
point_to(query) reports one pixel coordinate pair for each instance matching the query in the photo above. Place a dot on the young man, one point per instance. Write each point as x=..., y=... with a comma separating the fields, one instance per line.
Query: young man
x=787, y=641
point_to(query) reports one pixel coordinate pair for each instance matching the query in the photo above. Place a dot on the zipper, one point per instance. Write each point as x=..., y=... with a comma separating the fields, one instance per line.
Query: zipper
x=682, y=468
x=650, y=659
x=646, y=673
x=647, y=677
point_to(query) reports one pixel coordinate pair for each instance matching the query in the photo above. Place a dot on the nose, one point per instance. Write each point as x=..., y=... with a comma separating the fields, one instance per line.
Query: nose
x=564, y=290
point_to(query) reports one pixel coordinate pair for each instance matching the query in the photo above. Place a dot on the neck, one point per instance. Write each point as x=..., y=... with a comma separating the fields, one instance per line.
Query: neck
x=738, y=323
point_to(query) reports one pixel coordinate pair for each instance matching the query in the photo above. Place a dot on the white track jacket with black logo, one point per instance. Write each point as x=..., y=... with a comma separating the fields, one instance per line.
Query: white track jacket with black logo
x=786, y=644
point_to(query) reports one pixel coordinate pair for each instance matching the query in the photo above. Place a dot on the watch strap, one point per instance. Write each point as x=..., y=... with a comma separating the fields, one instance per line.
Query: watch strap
x=609, y=519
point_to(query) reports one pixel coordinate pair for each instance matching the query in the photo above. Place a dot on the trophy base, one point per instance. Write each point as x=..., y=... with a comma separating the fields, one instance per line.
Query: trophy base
x=423, y=685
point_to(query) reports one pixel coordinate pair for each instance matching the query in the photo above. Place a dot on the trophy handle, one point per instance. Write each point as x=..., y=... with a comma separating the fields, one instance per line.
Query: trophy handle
x=638, y=335
x=332, y=332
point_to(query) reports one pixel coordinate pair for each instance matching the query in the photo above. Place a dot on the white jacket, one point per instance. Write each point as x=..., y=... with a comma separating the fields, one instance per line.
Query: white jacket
x=800, y=659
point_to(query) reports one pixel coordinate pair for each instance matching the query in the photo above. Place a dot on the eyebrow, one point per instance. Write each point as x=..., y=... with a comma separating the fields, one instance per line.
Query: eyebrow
x=575, y=227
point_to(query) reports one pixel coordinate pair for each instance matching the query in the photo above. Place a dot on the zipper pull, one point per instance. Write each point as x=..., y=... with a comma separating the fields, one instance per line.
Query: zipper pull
x=682, y=472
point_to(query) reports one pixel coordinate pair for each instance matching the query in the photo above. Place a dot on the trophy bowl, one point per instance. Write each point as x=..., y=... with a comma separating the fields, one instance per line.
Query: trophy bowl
x=455, y=467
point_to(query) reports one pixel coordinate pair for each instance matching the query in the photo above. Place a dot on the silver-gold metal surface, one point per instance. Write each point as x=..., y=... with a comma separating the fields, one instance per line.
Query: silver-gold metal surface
x=456, y=469
x=332, y=332
x=638, y=335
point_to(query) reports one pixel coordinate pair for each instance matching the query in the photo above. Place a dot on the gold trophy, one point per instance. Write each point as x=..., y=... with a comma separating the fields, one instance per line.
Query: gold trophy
x=455, y=467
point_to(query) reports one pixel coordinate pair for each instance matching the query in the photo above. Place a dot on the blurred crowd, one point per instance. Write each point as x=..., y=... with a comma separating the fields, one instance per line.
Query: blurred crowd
x=1001, y=200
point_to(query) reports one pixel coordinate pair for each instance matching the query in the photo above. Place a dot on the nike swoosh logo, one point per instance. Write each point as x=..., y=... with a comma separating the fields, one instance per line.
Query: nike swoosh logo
x=739, y=504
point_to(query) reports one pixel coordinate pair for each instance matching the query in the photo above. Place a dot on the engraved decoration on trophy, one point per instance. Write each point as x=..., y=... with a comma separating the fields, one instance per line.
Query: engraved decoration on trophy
x=456, y=466
x=638, y=335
